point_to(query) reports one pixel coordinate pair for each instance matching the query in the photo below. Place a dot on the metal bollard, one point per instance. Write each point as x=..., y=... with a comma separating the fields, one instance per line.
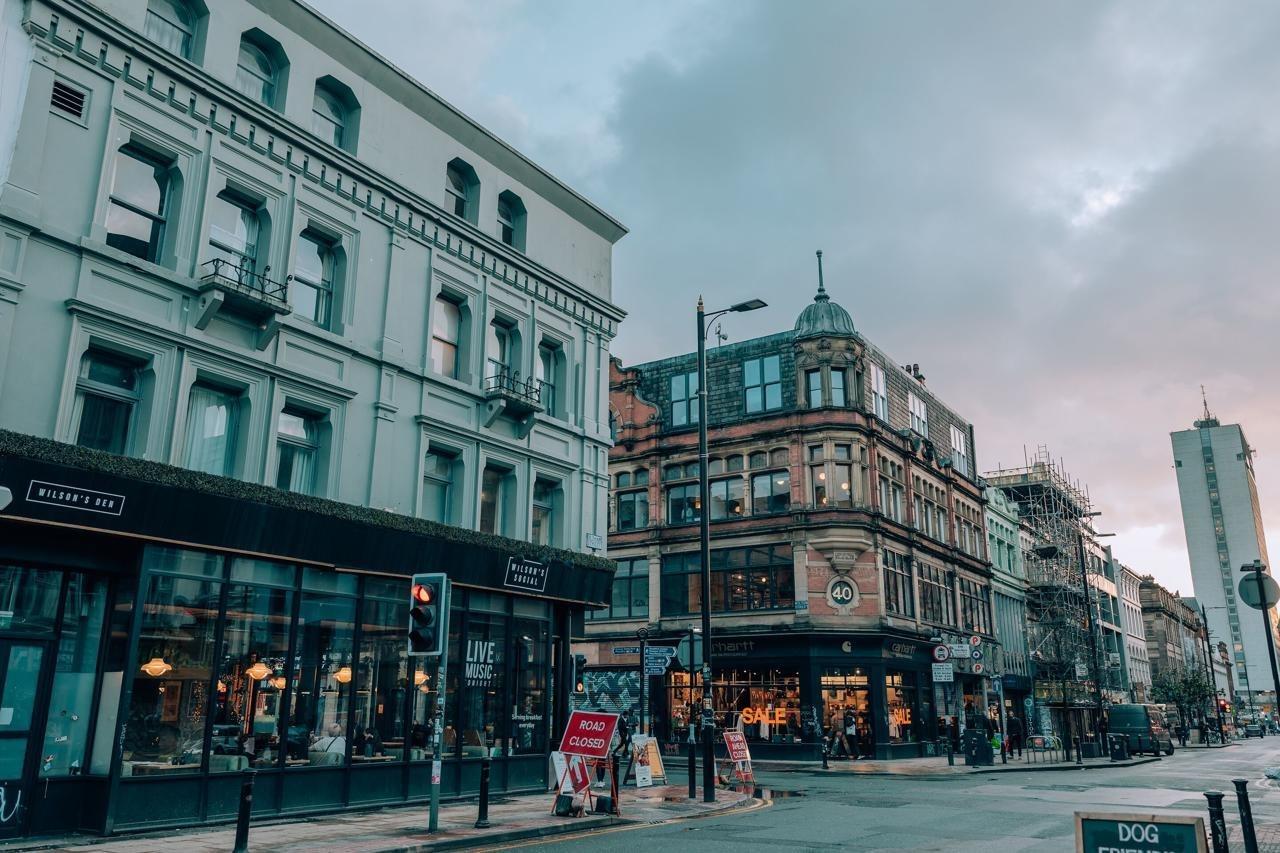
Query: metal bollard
x=1217, y=822
x=1246, y=815
x=693, y=770
x=1004, y=751
x=1079, y=755
x=482, y=819
x=825, y=750
x=951, y=754
x=613, y=784
x=246, y=806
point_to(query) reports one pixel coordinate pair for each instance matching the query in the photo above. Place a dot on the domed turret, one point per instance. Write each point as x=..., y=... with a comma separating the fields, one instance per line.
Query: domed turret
x=823, y=318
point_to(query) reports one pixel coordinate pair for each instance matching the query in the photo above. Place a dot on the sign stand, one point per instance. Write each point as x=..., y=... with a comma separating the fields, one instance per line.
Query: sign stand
x=740, y=756
x=588, y=735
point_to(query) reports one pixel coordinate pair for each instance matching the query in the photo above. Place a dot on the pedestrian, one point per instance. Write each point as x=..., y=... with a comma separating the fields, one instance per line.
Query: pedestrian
x=1016, y=732
x=842, y=728
x=1182, y=733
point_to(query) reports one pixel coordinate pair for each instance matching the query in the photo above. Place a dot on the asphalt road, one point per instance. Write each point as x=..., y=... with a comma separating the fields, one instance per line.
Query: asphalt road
x=1024, y=811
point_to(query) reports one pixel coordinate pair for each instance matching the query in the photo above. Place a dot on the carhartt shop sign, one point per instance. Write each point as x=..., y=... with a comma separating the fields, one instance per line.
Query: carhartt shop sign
x=1139, y=833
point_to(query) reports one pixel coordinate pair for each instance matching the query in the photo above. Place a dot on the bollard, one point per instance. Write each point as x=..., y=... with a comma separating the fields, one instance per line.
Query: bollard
x=1217, y=823
x=825, y=750
x=1079, y=755
x=1004, y=751
x=482, y=819
x=242, y=818
x=951, y=754
x=613, y=784
x=693, y=769
x=1246, y=815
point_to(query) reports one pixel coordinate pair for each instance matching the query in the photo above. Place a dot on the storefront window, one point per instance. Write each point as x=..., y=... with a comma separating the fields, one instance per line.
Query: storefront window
x=845, y=692
x=483, y=665
x=249, y=693
x=66, y=731
x=381, y=673
x=29, y=599
x=168, y=704
x=529, y=686
x=323, y=676
x=423, y=710
x=763, y=704
x=904, y=713
x=115, y=663
x=759, y=578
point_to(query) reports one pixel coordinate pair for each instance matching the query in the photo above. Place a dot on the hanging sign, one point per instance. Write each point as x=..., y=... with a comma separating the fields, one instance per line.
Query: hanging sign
x=589, y=734
x=943, y=673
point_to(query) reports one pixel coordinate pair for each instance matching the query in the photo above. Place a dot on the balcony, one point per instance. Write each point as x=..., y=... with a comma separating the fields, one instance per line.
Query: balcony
x=240, y=290
x=506, y=393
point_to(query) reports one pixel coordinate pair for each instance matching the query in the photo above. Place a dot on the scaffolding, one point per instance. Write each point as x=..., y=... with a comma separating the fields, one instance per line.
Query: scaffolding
x=1068, y=670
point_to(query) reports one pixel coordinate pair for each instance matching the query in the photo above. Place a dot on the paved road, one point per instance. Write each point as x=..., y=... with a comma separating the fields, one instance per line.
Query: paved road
x=1026, y=811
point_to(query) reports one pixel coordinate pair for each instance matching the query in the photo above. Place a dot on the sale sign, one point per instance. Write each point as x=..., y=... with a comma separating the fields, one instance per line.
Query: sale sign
x=589, y=734
x=737, y=745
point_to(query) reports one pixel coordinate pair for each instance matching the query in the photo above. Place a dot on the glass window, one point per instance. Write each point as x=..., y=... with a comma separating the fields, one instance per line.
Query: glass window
x=170, y=25
x=483, y=668
x=771, y=492
x=167, y=707
x=818, y=482
x=842, y=484
x=682, y=504
x=733, y=463
x=546, y=496
x=297, y=447
x=438, y=486
x=256, y=73
x=779, y=457
x=498, y=348
x=633, y=510
x=311, y=292
x=630, y=597
x=137, y=207
x=919, y=414
x=960, y=450
x=382, y=673
x=901, y=700
x=213, y=417
x=456, y=187
x=879, y=393
x=233, y=235
x=107, y=394
x=762, y=378
x=813, y=382
x=897, y=584
x=328, y=117
x=838, y=397
x=624, y=479
x=29, y=598
x=446, y=336
x=529, y=687
x=759, y=459
x=71, y=698
x=493, y=487
x=548, y=355
x=726, y=498
x=322, y=680
x=684, y=399
x=937, y=603
x=248, y=697
x=506, y=222
x=757, y=578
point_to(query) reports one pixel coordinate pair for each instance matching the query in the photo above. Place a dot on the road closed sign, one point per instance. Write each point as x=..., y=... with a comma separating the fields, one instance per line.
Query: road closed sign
x=1097, y=832
x=589, y=734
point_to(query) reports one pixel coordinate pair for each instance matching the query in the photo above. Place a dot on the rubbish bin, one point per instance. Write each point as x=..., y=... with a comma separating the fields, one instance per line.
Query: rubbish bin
x=1119, y=747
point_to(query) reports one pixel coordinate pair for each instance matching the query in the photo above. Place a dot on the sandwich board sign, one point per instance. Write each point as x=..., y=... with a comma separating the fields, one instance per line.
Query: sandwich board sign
x=736, y=744
x=1098, y=832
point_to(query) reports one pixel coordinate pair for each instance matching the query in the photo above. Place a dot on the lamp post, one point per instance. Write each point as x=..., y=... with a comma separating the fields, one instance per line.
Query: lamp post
x=704, y=538
x=1258, y=567
x=1208, y=659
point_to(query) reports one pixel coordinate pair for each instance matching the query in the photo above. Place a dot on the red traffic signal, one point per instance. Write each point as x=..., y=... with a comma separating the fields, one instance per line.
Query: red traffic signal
x=428, y=614
x=422, y=593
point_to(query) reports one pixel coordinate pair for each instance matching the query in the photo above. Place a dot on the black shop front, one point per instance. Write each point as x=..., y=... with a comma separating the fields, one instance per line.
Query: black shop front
x=163, y=631
x=783, y=690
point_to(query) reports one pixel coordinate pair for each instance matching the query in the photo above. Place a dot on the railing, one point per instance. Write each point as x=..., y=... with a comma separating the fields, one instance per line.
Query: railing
x=508, y=383
x=243, y=280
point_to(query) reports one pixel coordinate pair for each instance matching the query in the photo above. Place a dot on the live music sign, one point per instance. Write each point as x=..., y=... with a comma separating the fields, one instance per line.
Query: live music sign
x=589, y=734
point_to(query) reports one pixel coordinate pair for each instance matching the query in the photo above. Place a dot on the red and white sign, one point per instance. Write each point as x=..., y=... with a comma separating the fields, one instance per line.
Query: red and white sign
x=579, y=774
x=941, y=653
x=737, y=745
x=589, y=734
x=975, y=640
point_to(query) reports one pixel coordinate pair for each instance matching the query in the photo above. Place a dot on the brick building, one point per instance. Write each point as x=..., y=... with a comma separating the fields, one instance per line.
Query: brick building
x=848, y=540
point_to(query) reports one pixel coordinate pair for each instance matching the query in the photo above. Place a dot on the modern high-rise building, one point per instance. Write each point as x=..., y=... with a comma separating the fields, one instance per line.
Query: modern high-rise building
x=1223, y=523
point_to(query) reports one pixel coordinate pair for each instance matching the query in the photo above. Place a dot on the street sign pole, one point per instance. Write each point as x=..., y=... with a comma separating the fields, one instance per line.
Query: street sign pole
x=433, y=819
x=643, y=634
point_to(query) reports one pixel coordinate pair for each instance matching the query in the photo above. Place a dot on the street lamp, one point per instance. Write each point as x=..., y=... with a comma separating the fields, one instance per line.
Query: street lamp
x=1258, y=568
x=704, y=537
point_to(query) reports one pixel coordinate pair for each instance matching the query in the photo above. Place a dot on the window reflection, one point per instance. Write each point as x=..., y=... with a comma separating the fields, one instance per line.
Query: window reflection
x=251, y=679
x=381, y=673
x=66, y=732
x=322, y=680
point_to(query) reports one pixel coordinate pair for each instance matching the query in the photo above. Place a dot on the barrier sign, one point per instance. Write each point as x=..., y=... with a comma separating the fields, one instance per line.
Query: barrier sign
x=589, y=734
x=1138, y=833
x=736, y=743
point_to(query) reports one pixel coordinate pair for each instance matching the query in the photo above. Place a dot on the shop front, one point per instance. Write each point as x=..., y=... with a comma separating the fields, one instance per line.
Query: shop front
x=156, y=640
x=783, y=692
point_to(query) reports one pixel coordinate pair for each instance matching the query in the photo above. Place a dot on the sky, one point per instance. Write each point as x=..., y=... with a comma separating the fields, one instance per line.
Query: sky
x=1066, y=213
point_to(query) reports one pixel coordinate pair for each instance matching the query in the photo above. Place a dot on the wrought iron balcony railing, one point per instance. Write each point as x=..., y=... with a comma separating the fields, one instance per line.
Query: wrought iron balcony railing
x=245, y=282
x=530, y=394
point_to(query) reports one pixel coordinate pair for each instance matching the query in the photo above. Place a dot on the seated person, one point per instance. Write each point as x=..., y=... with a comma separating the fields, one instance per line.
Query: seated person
x=368, y=742
x=333, y=742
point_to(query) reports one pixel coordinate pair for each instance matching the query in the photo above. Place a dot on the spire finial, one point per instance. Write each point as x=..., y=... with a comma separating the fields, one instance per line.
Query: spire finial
x=822, y=290
x=1205, y=399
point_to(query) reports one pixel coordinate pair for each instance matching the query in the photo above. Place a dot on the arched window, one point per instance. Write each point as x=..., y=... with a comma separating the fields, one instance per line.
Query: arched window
x=511, y=220
x=260, y=70
x=171, y=24
x=138, y=206
x=335, y=114
x=462, y=190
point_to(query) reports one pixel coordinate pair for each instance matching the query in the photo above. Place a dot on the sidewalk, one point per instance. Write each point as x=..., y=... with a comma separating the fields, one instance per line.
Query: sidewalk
x=403, y=829
x=937, y=766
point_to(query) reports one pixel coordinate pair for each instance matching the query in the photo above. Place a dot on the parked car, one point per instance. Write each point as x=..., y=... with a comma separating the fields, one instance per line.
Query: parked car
x=1252, y=730
x=1144, y=726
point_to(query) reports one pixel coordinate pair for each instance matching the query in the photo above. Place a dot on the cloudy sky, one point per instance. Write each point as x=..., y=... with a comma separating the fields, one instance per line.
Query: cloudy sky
x=1066, y=213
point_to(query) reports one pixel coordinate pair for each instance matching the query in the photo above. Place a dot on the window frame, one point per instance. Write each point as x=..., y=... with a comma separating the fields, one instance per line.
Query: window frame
x=515, y=220
x=325, y=289
x=309, y=444
x=918, y=408
x=763, y=383
x=188, y=29
x=86, y=387
x=687, y=404
x=879, y=392
x=163, y=168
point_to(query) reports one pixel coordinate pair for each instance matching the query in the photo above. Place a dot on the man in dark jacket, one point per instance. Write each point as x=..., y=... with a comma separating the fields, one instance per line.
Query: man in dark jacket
x=1016, y=733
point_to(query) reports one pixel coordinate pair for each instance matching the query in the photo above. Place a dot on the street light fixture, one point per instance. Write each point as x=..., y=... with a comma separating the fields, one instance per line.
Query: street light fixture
x=704, y=538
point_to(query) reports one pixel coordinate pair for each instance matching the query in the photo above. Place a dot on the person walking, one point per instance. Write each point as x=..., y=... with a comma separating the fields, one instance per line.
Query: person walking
x=1016, y=732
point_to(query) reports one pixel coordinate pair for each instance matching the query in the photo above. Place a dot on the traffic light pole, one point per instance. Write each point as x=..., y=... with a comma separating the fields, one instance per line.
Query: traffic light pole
x=437, y=729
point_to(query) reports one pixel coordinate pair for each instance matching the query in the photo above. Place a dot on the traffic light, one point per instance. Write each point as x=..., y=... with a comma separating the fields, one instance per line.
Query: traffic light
x=428, y=609
x=579, y=673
